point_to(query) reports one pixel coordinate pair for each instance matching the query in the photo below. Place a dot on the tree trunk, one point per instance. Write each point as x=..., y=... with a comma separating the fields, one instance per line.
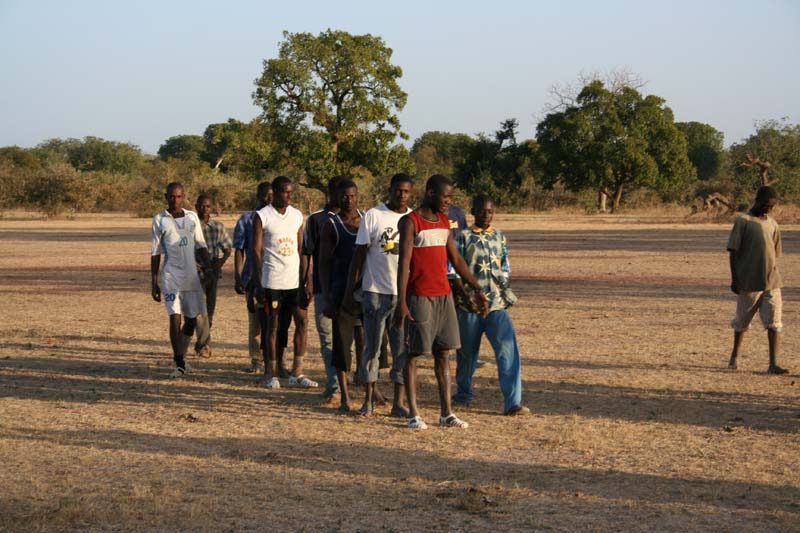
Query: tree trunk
x=602, y=196
x=617, y=198
x=219, y=162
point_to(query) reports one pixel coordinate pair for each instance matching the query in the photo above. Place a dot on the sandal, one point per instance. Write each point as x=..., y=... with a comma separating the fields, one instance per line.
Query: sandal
x=303, y=382
x=178, y=372
x=271, y=383
x=416, y=422
x=452, y=421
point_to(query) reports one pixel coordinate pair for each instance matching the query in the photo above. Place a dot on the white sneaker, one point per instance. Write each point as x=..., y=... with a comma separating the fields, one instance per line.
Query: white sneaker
x=273, y=383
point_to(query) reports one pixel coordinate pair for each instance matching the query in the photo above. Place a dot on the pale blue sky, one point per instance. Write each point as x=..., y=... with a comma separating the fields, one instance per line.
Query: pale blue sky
x=142, y=71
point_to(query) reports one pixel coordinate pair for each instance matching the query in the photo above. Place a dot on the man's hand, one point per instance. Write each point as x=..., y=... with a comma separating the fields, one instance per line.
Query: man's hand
x=348, y=302
x=734, y=287
x=250, y=297
x=259, y=293
x=481, y=303
x=401, y=314
x=156, y=291
x=328, y=311
x=238, y=286
x=304, y=297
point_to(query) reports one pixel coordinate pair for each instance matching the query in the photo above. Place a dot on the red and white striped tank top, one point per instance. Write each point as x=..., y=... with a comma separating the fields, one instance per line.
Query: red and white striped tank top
x=428, y=275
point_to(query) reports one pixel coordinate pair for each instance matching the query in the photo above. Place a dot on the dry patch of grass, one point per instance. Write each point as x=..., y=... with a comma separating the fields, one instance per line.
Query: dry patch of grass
x=636, y=424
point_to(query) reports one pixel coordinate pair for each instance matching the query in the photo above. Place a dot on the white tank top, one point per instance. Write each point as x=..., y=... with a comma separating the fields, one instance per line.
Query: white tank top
x=281, y=262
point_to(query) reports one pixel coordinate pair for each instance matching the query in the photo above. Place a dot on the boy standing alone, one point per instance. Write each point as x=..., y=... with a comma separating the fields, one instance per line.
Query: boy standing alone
x=755, y=246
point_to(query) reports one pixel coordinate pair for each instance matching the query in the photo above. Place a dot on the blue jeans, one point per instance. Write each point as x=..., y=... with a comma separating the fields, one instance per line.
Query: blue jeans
x=500, y=333
x=378, y=311
x=325, y=330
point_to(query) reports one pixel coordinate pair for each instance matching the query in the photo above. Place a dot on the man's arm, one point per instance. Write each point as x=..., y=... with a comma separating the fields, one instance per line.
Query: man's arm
x=255, y=277
x=226, y=245
x=305, y=294
x=406, y=228
x=238, y=268
x=354, y=274
x=327, y=244
x=155, y=263
x=734, y=281
x=461, y=268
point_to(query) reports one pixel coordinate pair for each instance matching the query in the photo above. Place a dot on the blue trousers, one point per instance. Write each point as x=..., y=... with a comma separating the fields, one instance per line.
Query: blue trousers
x=325, y=330
x=500, y=332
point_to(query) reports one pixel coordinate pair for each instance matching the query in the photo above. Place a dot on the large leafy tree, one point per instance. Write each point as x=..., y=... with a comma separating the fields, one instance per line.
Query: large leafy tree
x=246, y=147
x=93, y=153
x=440, y=152
x=775, y=143
x=614, y=140
x=704, y=148
x=185, y=147
x=332, y=101
x=499, y=166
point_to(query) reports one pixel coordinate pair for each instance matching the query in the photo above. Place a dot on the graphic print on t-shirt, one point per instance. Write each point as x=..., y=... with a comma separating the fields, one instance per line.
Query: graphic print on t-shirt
x=389, y=239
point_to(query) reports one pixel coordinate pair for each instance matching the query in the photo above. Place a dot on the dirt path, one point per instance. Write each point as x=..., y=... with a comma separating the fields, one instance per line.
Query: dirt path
x=623, y=327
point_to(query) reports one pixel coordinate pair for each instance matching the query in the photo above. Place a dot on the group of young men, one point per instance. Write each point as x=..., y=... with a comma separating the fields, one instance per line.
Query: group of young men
x=391, y=280
x=397, y=280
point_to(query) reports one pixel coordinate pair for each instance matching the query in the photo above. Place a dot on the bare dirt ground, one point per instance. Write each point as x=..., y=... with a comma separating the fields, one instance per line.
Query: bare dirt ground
x=623, y=326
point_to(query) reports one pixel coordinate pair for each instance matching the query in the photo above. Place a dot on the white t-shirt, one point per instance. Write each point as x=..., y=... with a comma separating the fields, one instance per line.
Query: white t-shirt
x=177, y=239
x=378, y=230
x=281, y=262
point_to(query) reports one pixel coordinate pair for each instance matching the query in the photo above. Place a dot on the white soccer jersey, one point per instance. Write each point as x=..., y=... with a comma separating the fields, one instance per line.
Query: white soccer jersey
x=281, y=261
x=177, y=239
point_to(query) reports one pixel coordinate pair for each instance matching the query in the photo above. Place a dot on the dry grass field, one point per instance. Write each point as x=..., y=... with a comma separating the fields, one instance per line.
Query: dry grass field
x=623, y=325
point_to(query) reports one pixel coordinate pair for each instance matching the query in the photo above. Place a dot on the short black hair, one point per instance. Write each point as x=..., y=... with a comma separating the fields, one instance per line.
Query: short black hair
x=262, y=188
x=401, y=177
x=279, y=182
x=174, y=185
x=437, y=182
x=333, y=184
x=765, y=193
x=480, y=200
x=346, y=184
x=200, y=200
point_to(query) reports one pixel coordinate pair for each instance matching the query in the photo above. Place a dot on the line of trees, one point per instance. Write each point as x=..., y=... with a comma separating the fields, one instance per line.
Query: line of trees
x=330, y=104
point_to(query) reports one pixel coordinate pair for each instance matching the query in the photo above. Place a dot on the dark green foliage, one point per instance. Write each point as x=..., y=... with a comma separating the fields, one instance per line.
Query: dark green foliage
x=186, y=147
x=440, y=152
x=704, y=146
x=612, y=140
x=92, y=153
x=331, y=101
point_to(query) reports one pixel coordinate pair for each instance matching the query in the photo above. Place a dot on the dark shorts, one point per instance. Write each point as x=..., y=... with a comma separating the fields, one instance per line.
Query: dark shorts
x=275, y=300
x=282, y=304
x=435, y=325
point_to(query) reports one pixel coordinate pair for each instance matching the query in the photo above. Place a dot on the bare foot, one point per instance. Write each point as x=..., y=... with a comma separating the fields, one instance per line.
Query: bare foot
x=379, y=398
x=330, y=401
x=344, y=408
x=399, y=411
x=365, y=411
x=732, y=364
x=775, y=369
